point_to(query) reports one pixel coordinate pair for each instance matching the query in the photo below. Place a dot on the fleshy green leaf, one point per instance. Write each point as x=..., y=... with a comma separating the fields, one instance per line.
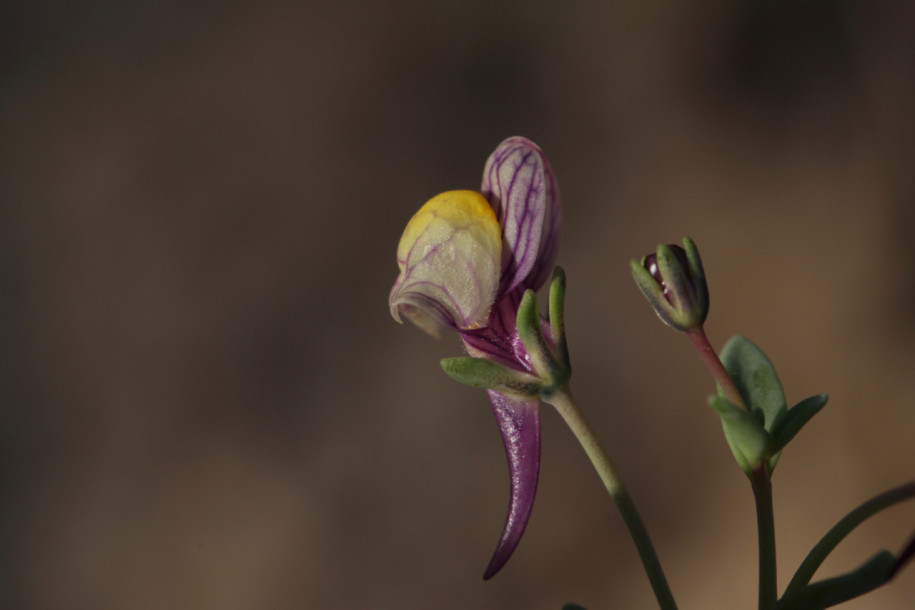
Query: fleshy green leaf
x=757, y=382
x=481, y=373
x=787, y=426
x=755, y=379
x=874, y=573
x=745, y=434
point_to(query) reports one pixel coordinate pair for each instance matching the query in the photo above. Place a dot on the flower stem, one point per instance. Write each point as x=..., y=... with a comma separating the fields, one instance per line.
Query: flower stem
x=563, y=401
x=765, y=525
x=714, y=365
x=759, y=477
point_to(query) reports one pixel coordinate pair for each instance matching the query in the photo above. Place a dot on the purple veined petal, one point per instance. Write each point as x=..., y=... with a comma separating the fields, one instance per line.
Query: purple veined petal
x=499, y=341
x=549, y=236
x=521, y=188
x=519, y=423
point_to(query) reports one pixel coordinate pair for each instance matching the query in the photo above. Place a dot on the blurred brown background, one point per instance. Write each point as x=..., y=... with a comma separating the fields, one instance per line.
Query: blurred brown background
x=207, y=405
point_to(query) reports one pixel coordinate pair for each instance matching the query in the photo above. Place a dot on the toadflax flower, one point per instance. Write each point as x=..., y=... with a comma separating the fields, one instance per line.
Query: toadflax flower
x=466, y=260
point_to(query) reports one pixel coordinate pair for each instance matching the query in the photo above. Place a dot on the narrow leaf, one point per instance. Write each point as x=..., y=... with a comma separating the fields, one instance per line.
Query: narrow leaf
x=840, y=530
x=907, y=555
x=874, y=573
x=482, y=373
x=787, y=426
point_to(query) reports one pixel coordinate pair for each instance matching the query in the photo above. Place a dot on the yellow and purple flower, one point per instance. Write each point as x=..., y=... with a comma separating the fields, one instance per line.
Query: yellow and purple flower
x=466, y=260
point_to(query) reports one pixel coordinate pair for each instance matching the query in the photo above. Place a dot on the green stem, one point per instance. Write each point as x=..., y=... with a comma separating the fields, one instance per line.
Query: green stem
x=759, y=478
x=714, y=365
x=765, y=526
x=844, y=527
x=563, y=401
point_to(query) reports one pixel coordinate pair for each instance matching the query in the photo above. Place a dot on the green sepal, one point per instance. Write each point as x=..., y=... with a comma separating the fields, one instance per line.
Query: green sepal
x=557, y=316
x=789, y=424
x=553, y=368
x=745, y=433
x=482, y=373
x=874, y=573
x=679, y=284
x=651, y=290
x=531, y=335
x=697, y=273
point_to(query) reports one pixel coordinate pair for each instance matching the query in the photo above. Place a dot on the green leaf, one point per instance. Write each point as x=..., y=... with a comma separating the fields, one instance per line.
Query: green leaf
x=843, y=528
x=481, y=373
x=787, y=426
x=755, y=379
x=745, y=434
x=874, y=573
x=757, y=382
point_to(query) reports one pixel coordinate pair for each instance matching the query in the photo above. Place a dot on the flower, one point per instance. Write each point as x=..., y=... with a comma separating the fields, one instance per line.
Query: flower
x=466, y=260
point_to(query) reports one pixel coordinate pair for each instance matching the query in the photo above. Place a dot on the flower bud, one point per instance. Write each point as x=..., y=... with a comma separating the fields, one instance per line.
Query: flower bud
x=673, y=281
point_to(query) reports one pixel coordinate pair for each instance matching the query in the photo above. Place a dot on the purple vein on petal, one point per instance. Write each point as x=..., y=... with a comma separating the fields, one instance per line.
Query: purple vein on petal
x=519, y=424
x=408, y=290
x=521, y=220
x=552, y=227
x=499, y=340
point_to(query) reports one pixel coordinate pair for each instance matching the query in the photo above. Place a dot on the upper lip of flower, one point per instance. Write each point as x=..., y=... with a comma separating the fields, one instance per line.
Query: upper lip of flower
x=520, y=186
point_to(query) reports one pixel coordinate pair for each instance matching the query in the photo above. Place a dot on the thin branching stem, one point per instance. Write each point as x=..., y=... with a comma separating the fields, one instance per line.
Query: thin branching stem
x=575, y=419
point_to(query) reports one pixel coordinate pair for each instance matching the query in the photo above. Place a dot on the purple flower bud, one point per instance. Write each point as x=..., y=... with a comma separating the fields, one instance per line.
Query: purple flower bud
x=673, y=281
x=651, y=264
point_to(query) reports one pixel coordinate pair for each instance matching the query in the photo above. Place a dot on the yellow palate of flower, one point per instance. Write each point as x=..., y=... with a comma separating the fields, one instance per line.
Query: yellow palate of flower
x=450, y=254
x=453, y=210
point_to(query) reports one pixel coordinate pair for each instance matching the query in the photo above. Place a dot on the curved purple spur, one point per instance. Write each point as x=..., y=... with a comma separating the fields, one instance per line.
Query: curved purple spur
x=519, y=423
